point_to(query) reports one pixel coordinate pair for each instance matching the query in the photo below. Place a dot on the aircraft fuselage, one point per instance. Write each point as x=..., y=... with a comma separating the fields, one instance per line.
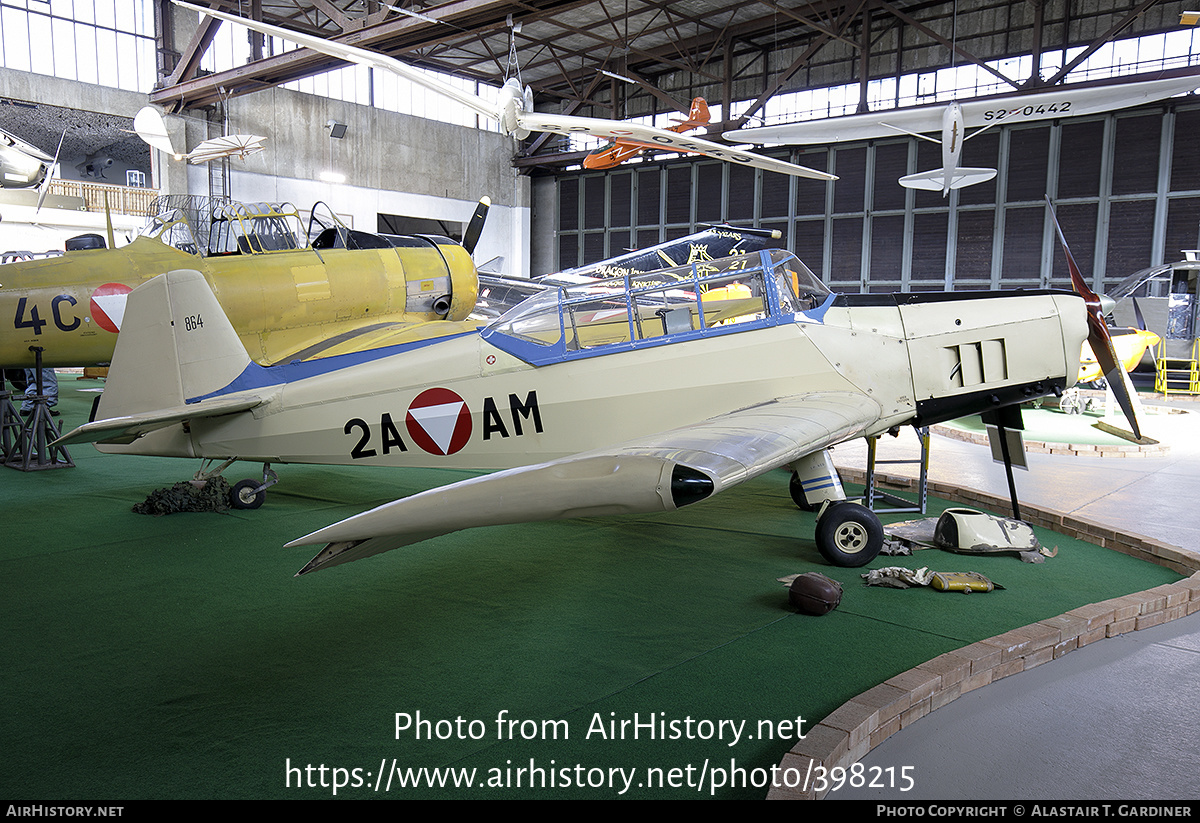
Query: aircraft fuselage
x=469, y=402
x=282, y=304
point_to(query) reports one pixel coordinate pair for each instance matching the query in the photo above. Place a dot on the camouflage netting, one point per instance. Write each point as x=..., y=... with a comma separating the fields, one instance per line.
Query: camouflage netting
x=213, y=496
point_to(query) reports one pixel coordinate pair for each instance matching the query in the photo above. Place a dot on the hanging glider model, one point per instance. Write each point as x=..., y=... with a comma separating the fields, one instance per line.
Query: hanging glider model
x=514, y=109
x=150, y=126
x=617, y=151
x=603, y=399
x=232, y=145
x=953, y=121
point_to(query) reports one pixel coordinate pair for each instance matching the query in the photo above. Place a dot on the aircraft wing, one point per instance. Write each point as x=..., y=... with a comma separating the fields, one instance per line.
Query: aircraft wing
x=524, y=120
x=871, y=126
x=658, y=473
x=354, y=54
x=1051, y=104
x=661, y=138
x=25, y=148
x=217, y=147
x=129, y=428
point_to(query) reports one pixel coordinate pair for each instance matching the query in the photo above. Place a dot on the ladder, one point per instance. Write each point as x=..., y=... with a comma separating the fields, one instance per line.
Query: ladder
x=894, y=503
x=1177, y=375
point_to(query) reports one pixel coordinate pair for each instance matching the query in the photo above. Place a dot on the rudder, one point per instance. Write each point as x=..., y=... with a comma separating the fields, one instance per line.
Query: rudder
x=175, y=344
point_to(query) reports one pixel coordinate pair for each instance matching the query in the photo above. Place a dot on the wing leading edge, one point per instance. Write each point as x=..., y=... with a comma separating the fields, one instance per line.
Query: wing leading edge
x=662, y=472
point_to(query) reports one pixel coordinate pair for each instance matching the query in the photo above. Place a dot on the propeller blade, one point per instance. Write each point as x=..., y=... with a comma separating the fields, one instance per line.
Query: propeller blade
x=1098, y=336
x=1137, y=311
x=475, y=227
x=44, y=188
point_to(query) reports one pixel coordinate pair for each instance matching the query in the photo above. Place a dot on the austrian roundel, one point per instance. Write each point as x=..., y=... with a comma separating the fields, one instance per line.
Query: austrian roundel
x=439, y=421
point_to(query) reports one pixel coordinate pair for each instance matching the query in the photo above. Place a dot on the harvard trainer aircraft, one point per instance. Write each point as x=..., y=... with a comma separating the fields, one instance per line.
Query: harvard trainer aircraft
x=287, y=299
x=955, y=118
x=514, y=108
x=607, y=398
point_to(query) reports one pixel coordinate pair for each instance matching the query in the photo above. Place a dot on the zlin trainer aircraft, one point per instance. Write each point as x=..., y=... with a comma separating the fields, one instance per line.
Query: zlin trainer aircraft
x=602, y=399
x=286, y=299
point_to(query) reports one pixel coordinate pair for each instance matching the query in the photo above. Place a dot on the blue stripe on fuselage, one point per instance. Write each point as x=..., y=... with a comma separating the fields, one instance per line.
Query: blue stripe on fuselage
x=255, y=376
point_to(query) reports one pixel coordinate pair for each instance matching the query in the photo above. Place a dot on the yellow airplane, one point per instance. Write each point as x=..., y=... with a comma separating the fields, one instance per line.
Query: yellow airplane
x=287, y=299
x=1131, y=345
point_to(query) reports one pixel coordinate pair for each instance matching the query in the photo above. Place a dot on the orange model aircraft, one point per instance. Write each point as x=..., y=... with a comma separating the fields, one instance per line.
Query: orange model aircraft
x=617, y=151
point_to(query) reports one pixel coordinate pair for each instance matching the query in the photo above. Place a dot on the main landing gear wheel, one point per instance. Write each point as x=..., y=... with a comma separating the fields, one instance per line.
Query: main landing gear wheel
x=796, y=487
x=849, y=534
x=244, y=496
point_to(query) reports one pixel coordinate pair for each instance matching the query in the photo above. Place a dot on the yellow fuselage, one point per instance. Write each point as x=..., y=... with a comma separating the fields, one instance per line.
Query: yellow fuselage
x=284, y=305
x=1131, y=345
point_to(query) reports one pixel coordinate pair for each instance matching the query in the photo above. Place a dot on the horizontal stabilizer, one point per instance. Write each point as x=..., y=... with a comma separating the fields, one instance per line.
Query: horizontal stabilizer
x=935, y=180
x=661, y=472
x=123, y=430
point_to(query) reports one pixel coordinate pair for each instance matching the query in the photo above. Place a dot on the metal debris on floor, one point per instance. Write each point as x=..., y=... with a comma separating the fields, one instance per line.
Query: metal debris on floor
x=898, y=577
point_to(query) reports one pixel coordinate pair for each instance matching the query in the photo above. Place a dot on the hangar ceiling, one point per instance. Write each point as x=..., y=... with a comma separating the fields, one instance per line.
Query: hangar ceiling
x=624, y=58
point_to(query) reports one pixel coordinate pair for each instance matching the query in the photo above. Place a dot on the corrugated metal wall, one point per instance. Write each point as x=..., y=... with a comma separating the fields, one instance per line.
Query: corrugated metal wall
x=1126, y=187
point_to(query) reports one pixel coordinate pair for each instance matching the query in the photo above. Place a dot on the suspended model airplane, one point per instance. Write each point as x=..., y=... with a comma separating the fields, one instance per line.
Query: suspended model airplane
x=954, y=119
x=617, y=151
x=23, y=166
x=346, y=291
x=596, y=401
x=514, y=109
x=149, y=125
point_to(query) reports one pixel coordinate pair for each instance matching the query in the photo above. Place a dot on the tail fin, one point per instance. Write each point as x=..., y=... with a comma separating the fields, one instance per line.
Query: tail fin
x=935, y=180
x=175, y=344
x=696, y=118
x=699, y=115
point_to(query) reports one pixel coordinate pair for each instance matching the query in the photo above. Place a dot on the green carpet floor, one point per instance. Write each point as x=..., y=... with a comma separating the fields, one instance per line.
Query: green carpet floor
x=178, y=657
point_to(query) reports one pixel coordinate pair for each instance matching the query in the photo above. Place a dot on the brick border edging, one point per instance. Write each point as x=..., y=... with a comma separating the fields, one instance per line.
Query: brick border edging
x=863, y=722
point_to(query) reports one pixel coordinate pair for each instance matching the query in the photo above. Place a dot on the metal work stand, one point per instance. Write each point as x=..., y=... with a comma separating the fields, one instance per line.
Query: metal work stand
x=10, y=424
x=31, y=450
x=892, y=502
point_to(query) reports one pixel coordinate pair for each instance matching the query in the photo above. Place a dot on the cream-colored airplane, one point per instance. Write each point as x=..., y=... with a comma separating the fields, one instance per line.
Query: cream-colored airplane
x=605, y=398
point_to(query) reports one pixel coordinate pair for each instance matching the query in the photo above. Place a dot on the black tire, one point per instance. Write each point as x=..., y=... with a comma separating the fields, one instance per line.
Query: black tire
x=797, y=490
x=242, y=495
x=849, y=534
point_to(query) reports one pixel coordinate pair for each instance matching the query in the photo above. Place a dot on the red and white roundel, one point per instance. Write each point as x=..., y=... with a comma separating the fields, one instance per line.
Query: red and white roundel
x=108, y=305
x=439, y=421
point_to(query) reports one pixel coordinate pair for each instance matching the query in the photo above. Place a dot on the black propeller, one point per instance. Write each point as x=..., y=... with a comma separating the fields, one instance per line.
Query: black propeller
x=475, y=227
x=1137, y=312
x=1098, y=336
